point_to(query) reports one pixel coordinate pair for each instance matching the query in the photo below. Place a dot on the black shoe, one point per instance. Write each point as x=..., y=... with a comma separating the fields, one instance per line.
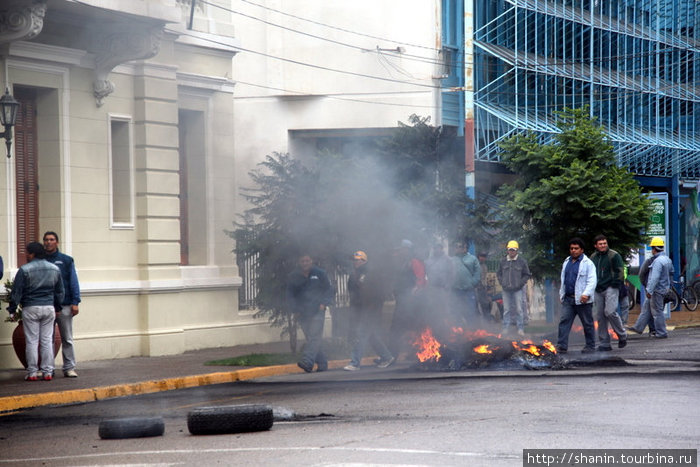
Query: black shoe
x=622, y=343
x=656, y=336
x=587, y=350
x=604, y=349
x=306, y=368
x=322, y=366
x=652, y=333
x=561, y=351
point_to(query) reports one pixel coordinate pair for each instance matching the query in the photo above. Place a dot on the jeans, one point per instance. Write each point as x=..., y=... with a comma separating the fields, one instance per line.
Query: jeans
x=624, y=309
x=38, y=330
x=657, y=311
x=606, y=312
x=464, y=306
x=645, y=319
x=513, y=309
x=312, y=325
x=65, y=326
x=569, y=311
x=368, y=325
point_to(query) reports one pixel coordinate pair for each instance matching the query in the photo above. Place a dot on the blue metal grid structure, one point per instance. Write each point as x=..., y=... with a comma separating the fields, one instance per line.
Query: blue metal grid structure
x=636, y=63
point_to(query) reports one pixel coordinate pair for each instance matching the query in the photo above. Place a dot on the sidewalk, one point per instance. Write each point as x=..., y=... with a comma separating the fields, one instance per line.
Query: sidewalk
x=103, y=379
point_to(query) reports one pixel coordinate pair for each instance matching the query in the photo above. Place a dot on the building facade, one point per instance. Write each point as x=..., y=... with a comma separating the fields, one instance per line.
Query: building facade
x=635, y=63
x=124, y=147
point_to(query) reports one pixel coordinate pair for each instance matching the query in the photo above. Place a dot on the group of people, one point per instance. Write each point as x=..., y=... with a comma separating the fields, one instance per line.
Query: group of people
x=47, y=290
x=440, y=292
x=595, y=285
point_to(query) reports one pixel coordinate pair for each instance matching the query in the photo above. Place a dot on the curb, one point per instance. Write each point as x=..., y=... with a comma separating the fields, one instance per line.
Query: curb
x=26, y=401
x=12, y=403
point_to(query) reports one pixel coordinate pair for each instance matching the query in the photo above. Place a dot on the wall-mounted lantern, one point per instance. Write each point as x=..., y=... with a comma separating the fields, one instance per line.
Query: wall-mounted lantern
x=8, y=117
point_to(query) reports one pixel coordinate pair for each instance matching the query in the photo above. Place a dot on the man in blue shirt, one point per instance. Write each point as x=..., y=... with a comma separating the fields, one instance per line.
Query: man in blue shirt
x=69, y=305
x=578, y=282
x=659, y=283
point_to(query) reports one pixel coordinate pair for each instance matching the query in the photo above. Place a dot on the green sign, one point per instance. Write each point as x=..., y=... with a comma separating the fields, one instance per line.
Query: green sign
x=658, y=218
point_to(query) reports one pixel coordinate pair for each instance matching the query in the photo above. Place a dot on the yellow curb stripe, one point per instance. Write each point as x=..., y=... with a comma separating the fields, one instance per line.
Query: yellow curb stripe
x=11, y=403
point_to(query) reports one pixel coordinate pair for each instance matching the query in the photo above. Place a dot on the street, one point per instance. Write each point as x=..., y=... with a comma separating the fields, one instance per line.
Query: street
x=372, y=417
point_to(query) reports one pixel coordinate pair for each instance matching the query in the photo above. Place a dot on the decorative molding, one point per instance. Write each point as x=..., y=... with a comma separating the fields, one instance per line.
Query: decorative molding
x=18, y=21
x=210, y=83
x=117, y=43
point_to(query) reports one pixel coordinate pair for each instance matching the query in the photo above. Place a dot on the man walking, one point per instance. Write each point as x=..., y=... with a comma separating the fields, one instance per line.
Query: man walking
x=578, y=281
x=467, y=275
x=309, y=293
x=645, y=319
x=660, y=279
x=71, y=300
x=610, y=273
x=366, y=301
x=513, y=273
x=38, y=288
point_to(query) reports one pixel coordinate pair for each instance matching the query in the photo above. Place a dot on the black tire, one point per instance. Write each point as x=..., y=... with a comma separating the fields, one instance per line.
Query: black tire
x=676, y=303
x=137, y=427
x=690, y=299
x=229, y=419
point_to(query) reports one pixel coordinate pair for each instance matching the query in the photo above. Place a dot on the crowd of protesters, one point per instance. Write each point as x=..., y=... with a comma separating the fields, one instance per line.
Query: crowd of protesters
x=448, y=292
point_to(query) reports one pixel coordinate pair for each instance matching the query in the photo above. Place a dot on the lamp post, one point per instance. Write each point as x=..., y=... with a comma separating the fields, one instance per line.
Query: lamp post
x=8, y=117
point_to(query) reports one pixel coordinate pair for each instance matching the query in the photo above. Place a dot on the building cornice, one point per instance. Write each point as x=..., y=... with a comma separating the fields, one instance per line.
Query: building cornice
x=19, y=21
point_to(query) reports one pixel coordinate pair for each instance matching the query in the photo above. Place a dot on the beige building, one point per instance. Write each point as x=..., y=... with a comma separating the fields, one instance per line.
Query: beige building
x=124, y=146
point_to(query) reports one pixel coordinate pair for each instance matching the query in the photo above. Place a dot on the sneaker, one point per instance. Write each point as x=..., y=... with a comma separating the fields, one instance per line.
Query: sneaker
x=604, y=349
x=32, y=377
x=351, y=367
x=587, y=350
x=386, y=363
x=304, y=367
x=47, y=377
x=561, y=350
x=622, y=343
x=521, y=332
x=70, y=374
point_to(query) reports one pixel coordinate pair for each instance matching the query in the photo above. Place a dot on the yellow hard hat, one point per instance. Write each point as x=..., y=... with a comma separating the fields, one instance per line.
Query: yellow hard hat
x=512, y=244
x=657, y=242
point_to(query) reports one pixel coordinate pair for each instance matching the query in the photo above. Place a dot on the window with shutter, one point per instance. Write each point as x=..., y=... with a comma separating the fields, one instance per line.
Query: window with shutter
x=26, y=172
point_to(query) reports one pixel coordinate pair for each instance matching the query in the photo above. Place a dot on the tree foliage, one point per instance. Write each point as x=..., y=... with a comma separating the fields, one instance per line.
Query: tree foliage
x=570, y=187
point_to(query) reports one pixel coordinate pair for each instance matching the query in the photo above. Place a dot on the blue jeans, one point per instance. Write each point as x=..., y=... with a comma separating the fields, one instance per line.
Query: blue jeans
x=569, y=311
x=312, y=325
x=657, y=311
x=513, y=309
x=368, y=325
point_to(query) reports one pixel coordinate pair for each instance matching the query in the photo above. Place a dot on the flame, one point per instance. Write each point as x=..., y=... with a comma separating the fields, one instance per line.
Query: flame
x=549, y=346
x=527, y=346
x=482, y=349
x=428, y=345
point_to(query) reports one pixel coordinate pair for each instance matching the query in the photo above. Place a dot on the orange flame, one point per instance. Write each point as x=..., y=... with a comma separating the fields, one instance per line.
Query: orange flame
x=527, y=346
x=428, y=345
x=482, y=349
x=549, y=346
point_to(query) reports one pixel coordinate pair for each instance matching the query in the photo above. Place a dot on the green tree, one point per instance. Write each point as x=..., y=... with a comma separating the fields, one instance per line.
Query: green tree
x=569, y=187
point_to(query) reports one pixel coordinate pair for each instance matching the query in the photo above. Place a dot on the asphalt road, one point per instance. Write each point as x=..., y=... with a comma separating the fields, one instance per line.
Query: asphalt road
x=397, y=416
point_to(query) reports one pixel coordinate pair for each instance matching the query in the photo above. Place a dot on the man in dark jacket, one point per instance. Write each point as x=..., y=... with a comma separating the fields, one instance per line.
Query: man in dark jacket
x=38, y=288
x=513, y=273
x=309, y=293
x=71, y=300
x=609, y=269
x=366, y=301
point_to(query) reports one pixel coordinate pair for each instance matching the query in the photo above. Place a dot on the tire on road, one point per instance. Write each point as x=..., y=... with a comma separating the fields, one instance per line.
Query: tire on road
x=229, y=419
x=136, y=427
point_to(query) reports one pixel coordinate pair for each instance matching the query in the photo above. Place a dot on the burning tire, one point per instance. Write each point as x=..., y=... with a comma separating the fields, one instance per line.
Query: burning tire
x=137, y=427
x=229, y=419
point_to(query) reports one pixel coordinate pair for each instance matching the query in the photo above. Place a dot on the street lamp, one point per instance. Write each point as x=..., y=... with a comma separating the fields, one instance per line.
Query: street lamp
x=8, y=117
